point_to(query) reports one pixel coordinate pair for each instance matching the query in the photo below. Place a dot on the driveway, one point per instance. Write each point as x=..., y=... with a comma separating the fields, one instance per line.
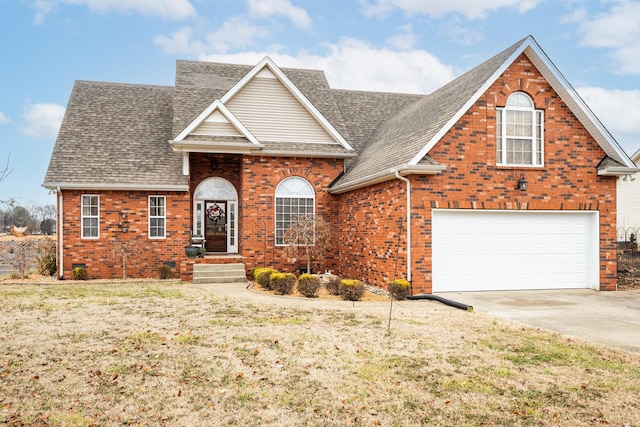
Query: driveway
x=609, y=318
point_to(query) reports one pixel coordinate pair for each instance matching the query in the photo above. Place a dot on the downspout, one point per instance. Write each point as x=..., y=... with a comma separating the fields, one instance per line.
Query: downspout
x=408, y=224
x=60, y=236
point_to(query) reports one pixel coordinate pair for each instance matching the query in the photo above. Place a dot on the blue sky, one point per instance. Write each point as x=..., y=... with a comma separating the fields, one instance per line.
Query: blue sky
x=388, y=45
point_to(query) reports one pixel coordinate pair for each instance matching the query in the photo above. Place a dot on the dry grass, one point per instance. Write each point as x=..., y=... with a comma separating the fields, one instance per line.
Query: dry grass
x=166, y=353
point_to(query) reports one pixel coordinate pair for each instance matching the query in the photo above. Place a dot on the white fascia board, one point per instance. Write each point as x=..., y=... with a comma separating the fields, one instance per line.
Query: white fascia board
x=219, y=106
x=617, y=171
x=268, y=62
x=305, y=154
x=208, y=147
x=387, y=175
x=458, y=115
x=114, y=187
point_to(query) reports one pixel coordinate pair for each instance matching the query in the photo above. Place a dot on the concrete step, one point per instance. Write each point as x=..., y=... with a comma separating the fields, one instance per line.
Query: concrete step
x=219, y=273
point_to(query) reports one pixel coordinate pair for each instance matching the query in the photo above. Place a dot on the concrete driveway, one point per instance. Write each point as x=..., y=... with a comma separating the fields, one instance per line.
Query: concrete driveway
x=609, y=318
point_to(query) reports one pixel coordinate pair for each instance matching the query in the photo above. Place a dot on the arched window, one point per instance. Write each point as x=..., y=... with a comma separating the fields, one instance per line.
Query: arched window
x=294, y=198
x=520, y=132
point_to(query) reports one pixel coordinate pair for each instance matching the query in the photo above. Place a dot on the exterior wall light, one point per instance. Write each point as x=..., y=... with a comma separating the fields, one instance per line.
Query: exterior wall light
x=522, y=183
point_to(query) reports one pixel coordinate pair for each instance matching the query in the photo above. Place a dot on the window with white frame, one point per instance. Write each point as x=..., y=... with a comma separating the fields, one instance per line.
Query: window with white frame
x=520, y=132
x=157, y=217
x=294, y=198
x=90, y=211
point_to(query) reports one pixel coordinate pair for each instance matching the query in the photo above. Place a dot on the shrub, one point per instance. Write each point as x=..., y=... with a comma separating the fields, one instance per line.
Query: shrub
x=165, y=272
x=399, y=289
x=351, y=290
x=283, y=283
x=332, y=285
x=262, y=275
x=47, y=259
x=309, y=285
x=80, y=273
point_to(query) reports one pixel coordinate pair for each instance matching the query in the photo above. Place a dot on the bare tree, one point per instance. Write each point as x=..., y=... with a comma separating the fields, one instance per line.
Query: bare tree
x=309, y=234
x=20, y=255
x=135, y=251
x=4, y=173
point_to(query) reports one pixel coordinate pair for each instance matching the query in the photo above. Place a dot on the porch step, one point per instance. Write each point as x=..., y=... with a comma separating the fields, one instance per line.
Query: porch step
x=219, y=273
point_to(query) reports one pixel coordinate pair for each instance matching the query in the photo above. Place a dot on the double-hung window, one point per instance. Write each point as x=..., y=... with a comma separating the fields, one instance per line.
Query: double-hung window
x=295, y=198
x=157, y=217
x=90, y=211
x=520, y=132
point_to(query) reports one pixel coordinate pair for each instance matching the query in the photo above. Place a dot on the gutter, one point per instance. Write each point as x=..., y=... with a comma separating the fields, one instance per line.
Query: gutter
x=617, y=171
x=387, y=175
x=120, y=186
x=408, y=223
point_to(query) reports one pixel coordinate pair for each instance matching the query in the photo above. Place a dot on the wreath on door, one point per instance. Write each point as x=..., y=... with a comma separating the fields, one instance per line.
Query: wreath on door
x=215, y=212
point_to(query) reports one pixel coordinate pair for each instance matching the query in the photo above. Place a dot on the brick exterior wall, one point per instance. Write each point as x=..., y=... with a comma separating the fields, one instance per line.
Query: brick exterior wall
x=261, y=176
x=124, y=225
x=371, y=217
x=255, y=180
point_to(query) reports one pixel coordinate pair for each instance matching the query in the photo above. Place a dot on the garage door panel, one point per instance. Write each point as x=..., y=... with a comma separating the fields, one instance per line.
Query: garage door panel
x=507, y=250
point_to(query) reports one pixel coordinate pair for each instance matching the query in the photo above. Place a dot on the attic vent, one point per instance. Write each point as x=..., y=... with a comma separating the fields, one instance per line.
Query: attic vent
x=265, y=73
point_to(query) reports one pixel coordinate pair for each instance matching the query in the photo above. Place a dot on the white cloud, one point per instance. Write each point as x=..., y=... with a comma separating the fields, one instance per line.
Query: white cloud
x=404, y=40
x=3, y=119
x=472, y=9
x=619, y=111
x=617, y=30
x=267, y=8
x=236, y=33
x=42, y=120
x=167, y=9
x=353, y=64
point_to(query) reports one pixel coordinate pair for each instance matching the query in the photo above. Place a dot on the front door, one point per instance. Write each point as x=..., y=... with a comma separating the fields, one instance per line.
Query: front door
x=215, y=222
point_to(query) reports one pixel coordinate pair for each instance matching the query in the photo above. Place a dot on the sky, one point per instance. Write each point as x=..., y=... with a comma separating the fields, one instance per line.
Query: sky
x=412, y=46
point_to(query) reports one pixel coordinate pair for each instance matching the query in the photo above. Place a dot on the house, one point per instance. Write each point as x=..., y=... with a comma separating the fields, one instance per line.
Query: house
x=502, y=179
x=628, y=205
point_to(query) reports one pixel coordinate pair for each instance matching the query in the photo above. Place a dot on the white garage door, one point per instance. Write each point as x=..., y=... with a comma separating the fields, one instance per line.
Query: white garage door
x=506, y=250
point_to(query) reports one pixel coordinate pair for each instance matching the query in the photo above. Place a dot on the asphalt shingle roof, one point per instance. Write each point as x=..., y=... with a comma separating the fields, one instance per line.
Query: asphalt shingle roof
x=402, y=136
x=116, y=134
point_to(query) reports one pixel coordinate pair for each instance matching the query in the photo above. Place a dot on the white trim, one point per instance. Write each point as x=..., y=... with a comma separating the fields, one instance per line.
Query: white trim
x=314, y=154
x=230, y=198
x=60, y=234
x=557, y=81
x=163, y=217
x=268, y=63
x=210, y=147
x=115, y=187
x=217, y=105
x=290, y=196
x=408, y=223
x=388, y=175
x=83, y=216
x=501, y=116
x=185, y=163
x=617, y=171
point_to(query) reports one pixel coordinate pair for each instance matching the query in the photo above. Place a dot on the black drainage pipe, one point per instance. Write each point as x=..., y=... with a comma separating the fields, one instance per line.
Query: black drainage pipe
x=448, y=302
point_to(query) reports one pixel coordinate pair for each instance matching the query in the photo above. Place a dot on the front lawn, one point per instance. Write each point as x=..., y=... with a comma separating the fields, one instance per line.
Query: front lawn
x=167, y=353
